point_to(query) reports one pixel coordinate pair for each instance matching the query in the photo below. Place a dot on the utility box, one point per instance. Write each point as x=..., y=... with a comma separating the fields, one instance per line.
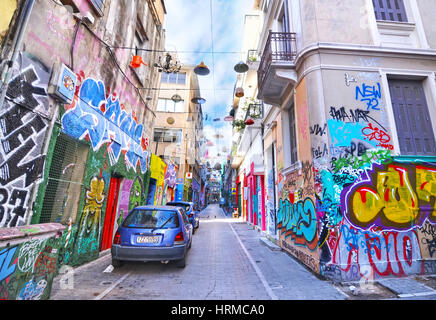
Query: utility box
x=29, y=260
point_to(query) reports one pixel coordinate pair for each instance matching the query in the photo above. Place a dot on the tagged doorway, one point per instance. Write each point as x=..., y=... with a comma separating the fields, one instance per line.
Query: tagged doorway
x=111, y=213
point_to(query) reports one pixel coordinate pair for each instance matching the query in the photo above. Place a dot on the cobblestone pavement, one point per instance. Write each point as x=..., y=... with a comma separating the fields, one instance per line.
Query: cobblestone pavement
x=226, y=262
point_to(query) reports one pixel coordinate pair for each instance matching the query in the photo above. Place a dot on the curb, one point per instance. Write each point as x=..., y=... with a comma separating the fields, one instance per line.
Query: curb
x=272, y=246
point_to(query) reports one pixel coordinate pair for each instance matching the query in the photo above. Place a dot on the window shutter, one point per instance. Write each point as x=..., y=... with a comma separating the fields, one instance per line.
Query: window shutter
x=98, y=6
x=390, y=10
x=293, y=134
x=412, y=118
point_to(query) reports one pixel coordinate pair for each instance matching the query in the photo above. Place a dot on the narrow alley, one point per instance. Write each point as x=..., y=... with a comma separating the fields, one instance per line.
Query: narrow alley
x=224, y=252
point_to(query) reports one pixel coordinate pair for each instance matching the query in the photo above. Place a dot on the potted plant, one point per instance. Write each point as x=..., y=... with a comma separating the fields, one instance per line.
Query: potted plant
x=239, y=125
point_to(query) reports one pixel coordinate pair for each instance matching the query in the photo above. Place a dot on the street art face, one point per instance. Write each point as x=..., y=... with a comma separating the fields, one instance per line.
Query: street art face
x=22, y=129
x=90, y=223
x=103, y=120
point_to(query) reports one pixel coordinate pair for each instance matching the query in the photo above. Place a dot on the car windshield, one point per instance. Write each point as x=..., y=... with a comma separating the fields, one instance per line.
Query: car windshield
x=152, y=219
x=185, y=206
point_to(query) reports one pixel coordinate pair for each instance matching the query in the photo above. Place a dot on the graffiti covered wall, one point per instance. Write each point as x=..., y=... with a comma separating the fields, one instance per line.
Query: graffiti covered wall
x=27, y=267
x=375, y=211
x=348, y=208
x=296, y=218
x=23, y=125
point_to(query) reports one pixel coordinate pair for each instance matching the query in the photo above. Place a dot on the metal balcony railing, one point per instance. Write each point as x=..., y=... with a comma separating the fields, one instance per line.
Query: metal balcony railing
x=280, y=47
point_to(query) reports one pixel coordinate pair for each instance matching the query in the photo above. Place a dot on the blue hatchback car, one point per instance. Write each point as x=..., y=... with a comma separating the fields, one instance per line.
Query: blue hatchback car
x=190, y=211
x=153, y=233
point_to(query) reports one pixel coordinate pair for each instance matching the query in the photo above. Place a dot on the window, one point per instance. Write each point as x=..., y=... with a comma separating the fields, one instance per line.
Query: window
x=390, y=10
x=71, y=4
x=152, y=219
x=168, y=105
x=98, y=6
x=174, y=78
x=167, y=159
x=65, y=181
x=141, y=44
x=293, y=135
x=167, y=135
x=412, y=118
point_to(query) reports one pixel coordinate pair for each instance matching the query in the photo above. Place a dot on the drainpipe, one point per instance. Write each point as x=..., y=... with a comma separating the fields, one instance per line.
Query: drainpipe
x=18, y=39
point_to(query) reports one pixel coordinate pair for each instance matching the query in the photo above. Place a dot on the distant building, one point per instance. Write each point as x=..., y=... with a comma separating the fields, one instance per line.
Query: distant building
x=178, y=131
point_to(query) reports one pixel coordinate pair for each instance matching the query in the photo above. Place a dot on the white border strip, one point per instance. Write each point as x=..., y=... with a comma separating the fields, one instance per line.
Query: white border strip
x=255, y=267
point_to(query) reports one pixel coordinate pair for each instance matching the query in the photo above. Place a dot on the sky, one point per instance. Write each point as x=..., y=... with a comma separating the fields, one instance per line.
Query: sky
x=210, y=31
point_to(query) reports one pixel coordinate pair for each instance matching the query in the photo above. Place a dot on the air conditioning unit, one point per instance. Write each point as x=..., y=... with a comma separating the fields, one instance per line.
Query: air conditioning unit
x=63, y=83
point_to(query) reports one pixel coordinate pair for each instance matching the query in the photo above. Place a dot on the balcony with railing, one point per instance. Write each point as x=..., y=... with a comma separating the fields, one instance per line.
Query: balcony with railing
x=277, y=69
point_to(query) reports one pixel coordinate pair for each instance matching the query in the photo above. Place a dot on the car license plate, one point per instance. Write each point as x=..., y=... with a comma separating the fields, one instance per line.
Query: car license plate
x=147, y=239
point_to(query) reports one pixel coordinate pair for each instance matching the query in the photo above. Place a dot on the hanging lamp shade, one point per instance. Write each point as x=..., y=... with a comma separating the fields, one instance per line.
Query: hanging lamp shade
x=249, y=122
x=241, y=67
x=198, y=100
x=137, y=62
x=201, y=69
x=176, y=98
x=239, y=92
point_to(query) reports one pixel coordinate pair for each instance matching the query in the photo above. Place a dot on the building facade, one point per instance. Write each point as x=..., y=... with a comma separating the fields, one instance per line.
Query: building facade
x=77, y=120
x=349, y=134
x=178, y=132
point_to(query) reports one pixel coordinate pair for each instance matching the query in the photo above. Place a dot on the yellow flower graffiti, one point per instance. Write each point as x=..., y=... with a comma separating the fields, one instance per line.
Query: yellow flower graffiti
x=89, y=233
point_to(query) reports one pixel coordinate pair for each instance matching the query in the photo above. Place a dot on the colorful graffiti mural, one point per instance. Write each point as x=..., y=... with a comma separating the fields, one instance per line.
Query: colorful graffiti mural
x=23, y=123
x=102, y=119
x=88, y=236
x=394, y=196
x=352, y=210
x=298, y=221
x=27, y=269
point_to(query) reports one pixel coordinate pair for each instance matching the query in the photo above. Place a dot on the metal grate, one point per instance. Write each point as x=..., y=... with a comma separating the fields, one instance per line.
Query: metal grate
x=65, y=181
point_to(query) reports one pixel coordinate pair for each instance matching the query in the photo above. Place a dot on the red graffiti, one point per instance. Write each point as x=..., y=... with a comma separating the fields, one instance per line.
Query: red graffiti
x=386, y=146
x=386, y=253
x=374, y=133
x=45, y=264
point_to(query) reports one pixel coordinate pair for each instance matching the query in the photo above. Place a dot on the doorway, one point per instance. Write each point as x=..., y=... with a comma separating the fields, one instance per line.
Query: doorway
x=111, y=213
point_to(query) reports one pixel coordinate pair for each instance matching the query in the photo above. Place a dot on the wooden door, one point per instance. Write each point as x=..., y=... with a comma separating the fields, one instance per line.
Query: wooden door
x=412, y=118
